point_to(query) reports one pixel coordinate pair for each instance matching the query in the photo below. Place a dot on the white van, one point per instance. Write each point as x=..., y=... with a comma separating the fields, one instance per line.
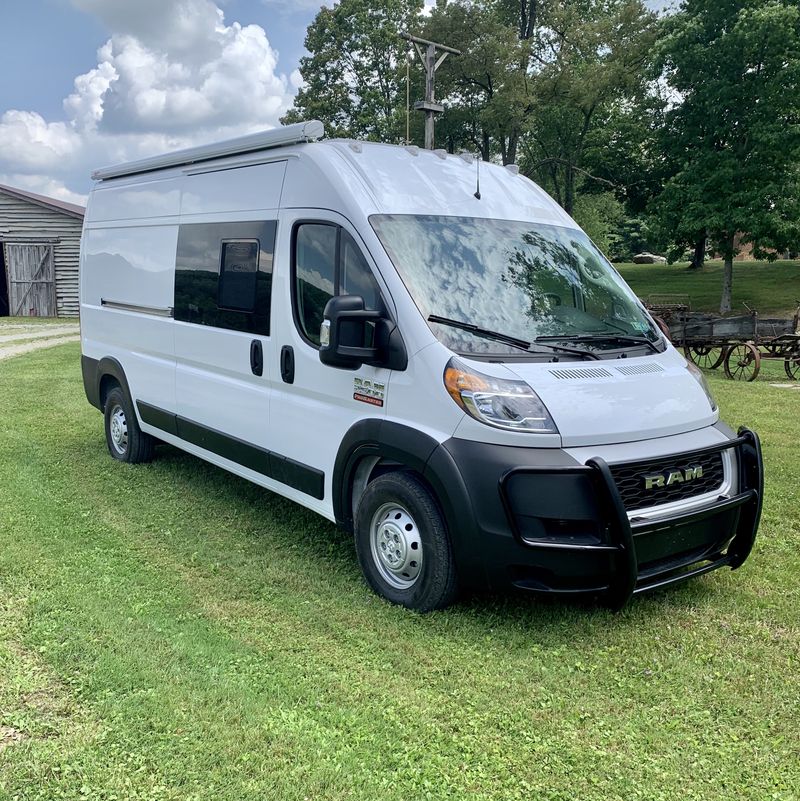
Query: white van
x=422, y=348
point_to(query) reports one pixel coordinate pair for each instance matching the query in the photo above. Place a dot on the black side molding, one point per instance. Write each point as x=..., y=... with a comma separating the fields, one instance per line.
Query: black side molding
x=272, y=465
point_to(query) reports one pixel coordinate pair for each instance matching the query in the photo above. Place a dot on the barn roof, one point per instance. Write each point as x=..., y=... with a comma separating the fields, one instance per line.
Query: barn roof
x=71, y=209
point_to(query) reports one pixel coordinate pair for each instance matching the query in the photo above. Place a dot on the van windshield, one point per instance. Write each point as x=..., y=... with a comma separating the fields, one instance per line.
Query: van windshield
x=525, y=281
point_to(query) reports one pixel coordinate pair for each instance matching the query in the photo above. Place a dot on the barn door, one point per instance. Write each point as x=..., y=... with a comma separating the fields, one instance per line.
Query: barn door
x=31, y=280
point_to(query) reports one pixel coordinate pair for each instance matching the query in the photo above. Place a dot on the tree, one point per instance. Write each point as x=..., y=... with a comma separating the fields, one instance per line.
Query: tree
x=733, y=137
x=590, y=74
x=485, y=89
x=354, y=75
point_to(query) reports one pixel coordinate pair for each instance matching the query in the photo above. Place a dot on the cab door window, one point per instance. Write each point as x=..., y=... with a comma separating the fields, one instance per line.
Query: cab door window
x=327, y=262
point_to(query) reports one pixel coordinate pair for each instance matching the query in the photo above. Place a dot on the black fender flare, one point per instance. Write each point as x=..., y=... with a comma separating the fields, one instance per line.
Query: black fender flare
x=94, y=371
x=421, y=453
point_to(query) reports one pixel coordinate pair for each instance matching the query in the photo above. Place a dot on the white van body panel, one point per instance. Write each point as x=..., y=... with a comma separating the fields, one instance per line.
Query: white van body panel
x=215, y=191
x=127, y=263
x=310, y=417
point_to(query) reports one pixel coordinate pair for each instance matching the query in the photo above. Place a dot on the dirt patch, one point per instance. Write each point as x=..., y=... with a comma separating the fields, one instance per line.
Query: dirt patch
x=10, y=736
x=37, y=332
x=26, y=347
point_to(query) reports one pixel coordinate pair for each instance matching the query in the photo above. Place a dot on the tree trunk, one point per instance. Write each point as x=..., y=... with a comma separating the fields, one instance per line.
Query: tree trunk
x=511, y=155
x=569, y=189
x=699, y=255
x=727, y=278
x=485, y=152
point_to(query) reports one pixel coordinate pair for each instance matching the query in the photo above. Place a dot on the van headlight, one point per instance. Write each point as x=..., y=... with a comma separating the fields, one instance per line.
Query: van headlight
x=698, y=376
x=499, y=402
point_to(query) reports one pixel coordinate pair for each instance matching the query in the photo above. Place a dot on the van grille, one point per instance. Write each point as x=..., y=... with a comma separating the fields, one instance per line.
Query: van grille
x=630, y=479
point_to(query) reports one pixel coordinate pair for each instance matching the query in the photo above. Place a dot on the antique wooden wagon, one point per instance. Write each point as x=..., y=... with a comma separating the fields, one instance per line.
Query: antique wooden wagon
x=738, y=343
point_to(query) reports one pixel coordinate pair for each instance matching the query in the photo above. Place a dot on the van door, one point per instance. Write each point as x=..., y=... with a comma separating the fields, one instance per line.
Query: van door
x=223, y=351
x=314, y=405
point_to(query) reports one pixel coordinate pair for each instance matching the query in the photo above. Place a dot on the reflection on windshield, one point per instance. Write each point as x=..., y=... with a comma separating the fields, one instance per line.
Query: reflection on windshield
x=522, y=279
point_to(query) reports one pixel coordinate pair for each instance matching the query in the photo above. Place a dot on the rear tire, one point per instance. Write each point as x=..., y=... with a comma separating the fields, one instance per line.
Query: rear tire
x=126, y=441
x=402, y=544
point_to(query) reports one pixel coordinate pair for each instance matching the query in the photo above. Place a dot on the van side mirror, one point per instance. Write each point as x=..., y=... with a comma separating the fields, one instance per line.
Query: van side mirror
x=351, y=335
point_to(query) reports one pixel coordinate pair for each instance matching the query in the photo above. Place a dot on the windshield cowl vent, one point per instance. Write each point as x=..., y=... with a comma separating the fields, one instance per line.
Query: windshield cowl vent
x=574, y=373
x=640, y=369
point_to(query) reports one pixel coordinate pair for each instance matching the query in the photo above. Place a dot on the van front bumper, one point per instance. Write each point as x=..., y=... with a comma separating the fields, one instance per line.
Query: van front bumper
x=562, y=527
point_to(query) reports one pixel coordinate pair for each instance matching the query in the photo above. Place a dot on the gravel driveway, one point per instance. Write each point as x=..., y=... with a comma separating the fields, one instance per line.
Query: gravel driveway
x=16, y=339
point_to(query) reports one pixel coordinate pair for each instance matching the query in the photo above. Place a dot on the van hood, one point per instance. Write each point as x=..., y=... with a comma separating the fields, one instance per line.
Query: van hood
x=619, y=400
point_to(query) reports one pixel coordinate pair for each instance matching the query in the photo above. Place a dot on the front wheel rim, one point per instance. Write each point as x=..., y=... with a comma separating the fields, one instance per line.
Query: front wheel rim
x=396, y=546
x=118, y=429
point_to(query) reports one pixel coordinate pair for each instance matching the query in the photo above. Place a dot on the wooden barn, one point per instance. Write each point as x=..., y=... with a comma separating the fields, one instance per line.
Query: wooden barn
x=40, y=238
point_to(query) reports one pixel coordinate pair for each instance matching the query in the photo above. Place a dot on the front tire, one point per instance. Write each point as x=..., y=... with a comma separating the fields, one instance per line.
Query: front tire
x=402, y=544
x=126, y=441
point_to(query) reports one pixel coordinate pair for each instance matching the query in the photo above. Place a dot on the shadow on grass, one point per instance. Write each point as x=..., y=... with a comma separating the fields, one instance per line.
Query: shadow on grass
x=324, y=555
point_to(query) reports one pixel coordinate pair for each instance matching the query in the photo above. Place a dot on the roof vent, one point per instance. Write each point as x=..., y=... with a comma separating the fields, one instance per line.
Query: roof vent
x=468, y=157
x=412, y=149
x=513, y=169
x=355, y=146
x=442, y=154
x=574, y=373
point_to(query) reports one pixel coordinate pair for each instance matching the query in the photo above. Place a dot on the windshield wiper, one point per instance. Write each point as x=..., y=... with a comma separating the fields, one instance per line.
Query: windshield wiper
x=631, y=338
x=507, y=339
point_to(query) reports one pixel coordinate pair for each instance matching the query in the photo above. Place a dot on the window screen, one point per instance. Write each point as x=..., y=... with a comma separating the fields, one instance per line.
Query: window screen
x=223, y=275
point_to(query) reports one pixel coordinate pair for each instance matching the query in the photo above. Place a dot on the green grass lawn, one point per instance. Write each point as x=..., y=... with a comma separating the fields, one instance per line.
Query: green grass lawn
x=772, y=289
x=170, y=631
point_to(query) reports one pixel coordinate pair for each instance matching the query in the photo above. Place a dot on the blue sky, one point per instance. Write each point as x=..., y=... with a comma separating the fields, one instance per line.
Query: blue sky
x=97, y=81
x=67, y=40
x=92, y=82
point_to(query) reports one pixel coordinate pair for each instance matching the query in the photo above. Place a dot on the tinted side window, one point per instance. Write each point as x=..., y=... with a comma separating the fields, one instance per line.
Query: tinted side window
x=315, y=274
x=328, y=262
x=223, y=275
x=356, y=278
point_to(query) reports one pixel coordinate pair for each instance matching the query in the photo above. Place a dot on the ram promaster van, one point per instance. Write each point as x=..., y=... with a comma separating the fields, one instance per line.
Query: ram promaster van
x=424, y=349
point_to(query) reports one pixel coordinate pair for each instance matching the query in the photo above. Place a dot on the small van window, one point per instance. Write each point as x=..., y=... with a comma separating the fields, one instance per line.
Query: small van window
x=223, y=275
x=238, y=274
x=328, y=262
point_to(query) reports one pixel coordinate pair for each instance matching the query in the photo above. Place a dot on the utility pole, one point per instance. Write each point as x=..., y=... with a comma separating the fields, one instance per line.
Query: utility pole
x=429, y=60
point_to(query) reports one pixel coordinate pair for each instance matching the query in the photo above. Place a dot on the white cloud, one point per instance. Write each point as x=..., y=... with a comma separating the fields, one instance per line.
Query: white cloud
x=30, y=142
x=171, y=75
x=43, y=185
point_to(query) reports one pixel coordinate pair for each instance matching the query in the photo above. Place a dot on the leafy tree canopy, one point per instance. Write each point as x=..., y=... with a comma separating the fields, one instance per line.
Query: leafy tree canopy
x=733, y=135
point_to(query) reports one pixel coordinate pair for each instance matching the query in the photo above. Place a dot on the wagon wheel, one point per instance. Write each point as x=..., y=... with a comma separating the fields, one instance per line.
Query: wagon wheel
x=707, y=356
x=742, y=362
x=792, y=367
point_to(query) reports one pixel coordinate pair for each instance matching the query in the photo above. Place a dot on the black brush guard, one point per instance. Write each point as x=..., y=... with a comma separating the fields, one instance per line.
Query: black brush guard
x=630, y=575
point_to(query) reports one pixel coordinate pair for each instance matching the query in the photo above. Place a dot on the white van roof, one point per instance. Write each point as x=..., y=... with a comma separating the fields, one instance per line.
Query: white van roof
x=370, y=177
x=411, y=180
